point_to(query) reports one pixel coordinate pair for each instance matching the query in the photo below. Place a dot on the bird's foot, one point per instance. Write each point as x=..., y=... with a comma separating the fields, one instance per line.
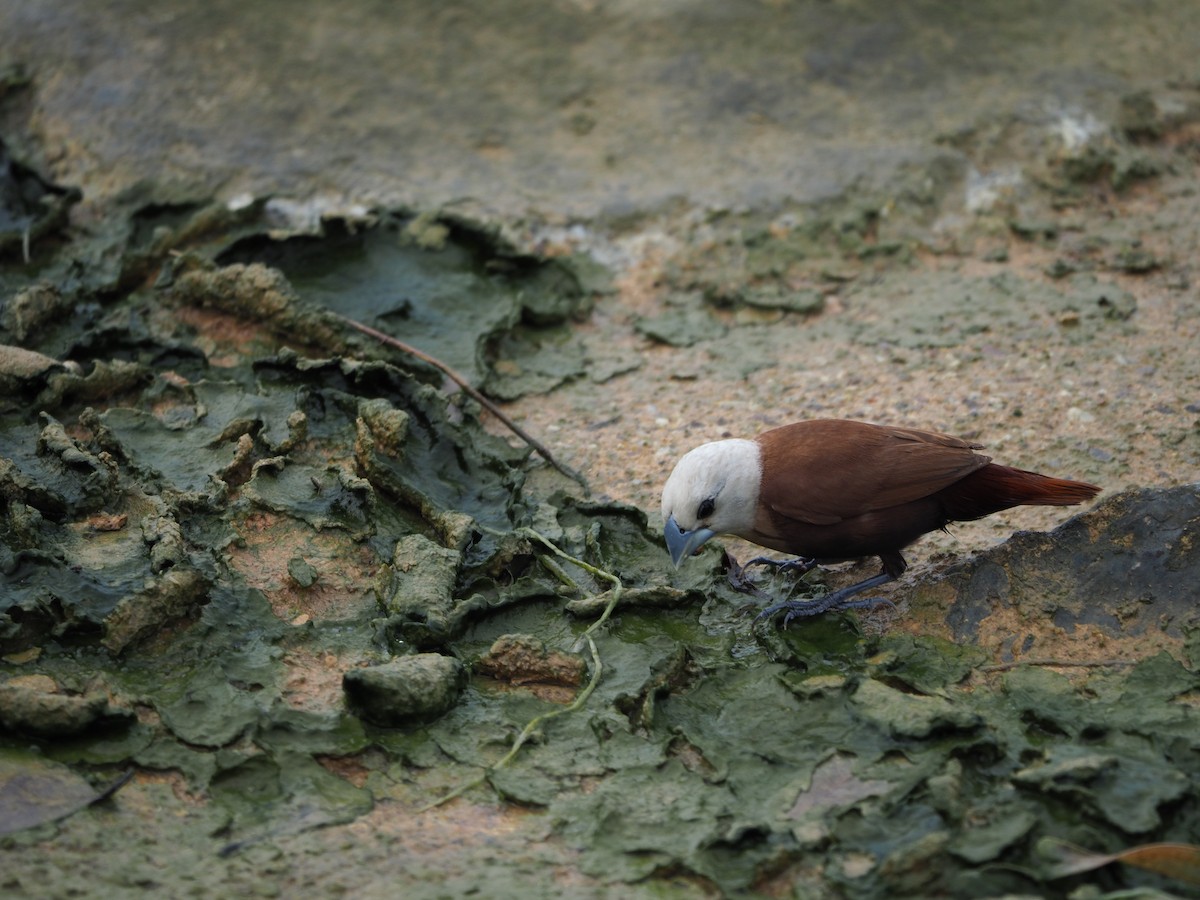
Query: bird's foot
x=799, y=609
x=740, y=580
x=831, y=602
x=800, y=565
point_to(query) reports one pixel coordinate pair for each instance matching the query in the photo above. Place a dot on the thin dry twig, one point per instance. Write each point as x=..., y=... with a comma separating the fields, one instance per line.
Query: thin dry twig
x=1058, y=663
x=462, y=382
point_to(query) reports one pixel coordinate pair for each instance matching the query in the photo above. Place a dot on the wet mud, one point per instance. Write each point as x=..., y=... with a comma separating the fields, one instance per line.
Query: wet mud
x=283, y=609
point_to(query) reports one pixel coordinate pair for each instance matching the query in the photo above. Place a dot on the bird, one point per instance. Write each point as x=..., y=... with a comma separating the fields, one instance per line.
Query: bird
x=832, y=490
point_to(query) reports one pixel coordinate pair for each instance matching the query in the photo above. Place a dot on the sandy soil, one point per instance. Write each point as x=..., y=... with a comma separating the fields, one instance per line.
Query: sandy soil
x=1122, y=409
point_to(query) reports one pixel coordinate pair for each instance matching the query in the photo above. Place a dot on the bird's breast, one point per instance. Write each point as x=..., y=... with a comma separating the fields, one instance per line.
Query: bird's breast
x=866, y=534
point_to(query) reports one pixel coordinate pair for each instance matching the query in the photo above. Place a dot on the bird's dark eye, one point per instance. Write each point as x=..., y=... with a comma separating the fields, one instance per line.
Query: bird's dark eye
x=707, y=507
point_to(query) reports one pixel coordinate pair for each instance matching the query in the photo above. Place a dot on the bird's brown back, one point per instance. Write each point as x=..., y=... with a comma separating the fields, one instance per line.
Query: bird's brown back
x=826, y=470
x=834, y=488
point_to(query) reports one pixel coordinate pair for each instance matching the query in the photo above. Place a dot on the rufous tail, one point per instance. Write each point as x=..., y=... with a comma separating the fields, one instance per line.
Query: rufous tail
x=995, y=487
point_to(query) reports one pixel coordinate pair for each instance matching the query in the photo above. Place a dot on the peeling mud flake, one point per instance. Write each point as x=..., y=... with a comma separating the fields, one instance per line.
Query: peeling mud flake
x=89, y=481
x=530, y=360
x=102, y=383
x=525, y=659
x=260, y=292
x=30, y=206
x=35, y=791
x=406, y=690
x=907, y=715
x=165, y=537
x=24, y=372
x=388, y=425
x=29, y=310
x=416, y=486
x=169, y=597
x=417, y=589
x=34, y=705
x=1126, y=791
x=992, y=832
x=681, y=327
x=807, y=302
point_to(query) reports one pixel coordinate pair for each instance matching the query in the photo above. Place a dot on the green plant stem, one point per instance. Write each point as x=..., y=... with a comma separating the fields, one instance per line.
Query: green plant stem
x=581, y=698
x=591, y=570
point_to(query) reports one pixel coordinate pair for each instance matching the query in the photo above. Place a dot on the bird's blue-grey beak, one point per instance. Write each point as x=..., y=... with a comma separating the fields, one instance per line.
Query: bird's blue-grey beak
x=684, y=543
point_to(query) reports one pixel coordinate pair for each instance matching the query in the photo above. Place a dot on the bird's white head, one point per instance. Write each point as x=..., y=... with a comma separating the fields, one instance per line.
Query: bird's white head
x=712, y=490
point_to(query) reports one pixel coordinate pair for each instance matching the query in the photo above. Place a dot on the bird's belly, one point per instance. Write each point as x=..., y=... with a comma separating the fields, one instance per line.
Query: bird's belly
x=868, y=534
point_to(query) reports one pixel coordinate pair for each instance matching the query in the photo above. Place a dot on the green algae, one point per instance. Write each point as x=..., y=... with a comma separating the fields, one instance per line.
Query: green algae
x=708, y=751
x=268, y=797
x=456, y=297
x=942, y=311
x=177, y=471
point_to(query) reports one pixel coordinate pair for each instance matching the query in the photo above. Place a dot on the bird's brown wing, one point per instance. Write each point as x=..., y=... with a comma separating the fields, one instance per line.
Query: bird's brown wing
x=827, y=470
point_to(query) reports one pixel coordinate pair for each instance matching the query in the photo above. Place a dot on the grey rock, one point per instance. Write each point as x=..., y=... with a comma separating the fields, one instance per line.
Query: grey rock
x=1128, y=565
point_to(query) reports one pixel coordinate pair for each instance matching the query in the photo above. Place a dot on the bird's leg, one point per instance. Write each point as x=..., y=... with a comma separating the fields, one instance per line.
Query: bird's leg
x=837, y=600
x=739, y=578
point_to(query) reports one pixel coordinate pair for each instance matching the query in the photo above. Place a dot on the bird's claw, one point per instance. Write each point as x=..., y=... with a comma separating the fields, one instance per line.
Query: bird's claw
x=798, y=609
x=800, y=564
x=833, y=602
x=740, y=580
